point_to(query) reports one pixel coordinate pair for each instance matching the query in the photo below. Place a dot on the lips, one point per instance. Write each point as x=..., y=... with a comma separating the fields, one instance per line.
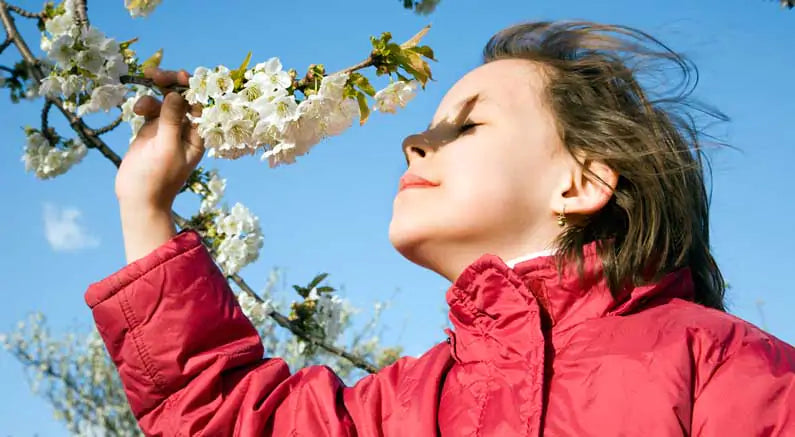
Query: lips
x=410, y=180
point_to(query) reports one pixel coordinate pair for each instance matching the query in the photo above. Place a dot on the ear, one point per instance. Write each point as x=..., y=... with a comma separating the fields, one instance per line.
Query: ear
x=588, y=188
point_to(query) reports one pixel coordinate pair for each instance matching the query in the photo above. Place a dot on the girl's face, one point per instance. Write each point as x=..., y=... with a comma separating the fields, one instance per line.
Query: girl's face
x=495, y=171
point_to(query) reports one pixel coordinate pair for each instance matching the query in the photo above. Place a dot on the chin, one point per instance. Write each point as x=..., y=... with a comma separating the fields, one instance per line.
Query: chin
x=411, y=240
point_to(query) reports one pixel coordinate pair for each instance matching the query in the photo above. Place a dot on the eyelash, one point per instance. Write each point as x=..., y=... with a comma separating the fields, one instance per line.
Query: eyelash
x=467, y=126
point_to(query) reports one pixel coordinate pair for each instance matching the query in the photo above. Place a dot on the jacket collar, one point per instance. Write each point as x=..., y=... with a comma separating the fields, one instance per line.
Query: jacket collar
x=493, y=300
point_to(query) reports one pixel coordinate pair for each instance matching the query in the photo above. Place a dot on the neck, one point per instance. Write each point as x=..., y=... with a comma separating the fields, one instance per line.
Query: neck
x=450, y=262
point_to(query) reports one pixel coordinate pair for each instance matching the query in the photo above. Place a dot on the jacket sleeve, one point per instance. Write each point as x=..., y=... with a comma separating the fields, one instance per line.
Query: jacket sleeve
x=750, y=393
x=192, y=364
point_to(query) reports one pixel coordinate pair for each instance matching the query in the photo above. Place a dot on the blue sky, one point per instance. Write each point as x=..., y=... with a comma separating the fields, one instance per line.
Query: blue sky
x=330, y=212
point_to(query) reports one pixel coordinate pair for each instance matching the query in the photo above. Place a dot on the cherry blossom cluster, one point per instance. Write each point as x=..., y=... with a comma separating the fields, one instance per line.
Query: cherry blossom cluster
x=261, y=112
x=46, y=160
x=241, y=238
x=87, y=65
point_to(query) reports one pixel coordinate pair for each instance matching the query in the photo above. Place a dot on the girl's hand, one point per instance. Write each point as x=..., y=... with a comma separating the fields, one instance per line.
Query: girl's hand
x=156, y=166
x=166, y=150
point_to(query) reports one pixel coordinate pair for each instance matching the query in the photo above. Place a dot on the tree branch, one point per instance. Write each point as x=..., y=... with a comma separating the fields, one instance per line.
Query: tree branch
x=5, y=44
x=24, y=13
x=45, y=127
x=81, y=7
x=92, y=140
x=284, y=322
x=77, y=124
x=47, y=369
x=108, y=128
x=364, y=64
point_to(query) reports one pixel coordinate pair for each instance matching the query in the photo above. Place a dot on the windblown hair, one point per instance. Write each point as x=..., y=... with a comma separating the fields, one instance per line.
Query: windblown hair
x=657, y=220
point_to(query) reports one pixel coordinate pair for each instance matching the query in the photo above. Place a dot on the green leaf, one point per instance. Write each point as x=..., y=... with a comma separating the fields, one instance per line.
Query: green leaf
x=364, y=108
x=153, y=61
x=126, y=44
x=325, y=289
x=424, y=51
x=301, y=291
x=318, y=279
x=362, y=83
x=414, y=40
x=237, y=75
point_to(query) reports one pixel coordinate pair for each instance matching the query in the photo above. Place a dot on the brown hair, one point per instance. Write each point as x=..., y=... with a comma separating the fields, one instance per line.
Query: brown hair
x=657, y=221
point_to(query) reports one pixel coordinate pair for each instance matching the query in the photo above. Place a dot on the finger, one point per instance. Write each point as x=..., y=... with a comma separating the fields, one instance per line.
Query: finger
x=149, y=72
x=165, y=78
x=183, y=77
x=148, y=107
x=172, y=112
x=148, y=130
x=191, y=130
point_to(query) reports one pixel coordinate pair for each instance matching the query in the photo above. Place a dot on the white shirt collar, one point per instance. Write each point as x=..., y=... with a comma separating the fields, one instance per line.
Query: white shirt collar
x=530, y=256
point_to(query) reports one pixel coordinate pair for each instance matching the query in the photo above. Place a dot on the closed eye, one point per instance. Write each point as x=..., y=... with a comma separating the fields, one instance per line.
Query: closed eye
x=466, y=127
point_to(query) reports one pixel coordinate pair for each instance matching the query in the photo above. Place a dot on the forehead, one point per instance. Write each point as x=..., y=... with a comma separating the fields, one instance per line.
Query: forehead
x=509, y=84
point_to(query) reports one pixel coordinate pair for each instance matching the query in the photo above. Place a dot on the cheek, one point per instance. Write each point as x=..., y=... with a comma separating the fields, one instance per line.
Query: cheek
x=477, y=198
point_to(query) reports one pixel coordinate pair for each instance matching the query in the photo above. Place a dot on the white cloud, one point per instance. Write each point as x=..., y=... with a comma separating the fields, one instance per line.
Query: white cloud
x=63, y=230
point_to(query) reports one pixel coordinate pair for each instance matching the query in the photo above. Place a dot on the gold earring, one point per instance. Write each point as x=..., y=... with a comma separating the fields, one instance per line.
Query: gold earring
x=562, y=217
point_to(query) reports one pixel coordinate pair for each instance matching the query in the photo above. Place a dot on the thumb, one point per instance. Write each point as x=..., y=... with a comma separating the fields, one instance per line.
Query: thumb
x=172, y=113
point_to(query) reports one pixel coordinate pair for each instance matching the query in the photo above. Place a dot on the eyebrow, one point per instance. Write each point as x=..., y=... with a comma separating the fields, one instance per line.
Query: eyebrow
x=463, y=108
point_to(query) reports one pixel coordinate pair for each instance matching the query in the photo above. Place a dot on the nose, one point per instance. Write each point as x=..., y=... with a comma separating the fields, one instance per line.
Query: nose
x=416, y=146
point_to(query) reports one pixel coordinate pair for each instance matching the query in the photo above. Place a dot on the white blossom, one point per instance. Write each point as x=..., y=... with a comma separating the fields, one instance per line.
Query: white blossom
x=91, y=60
x=63, y=24
x=103, y=98
x=272, y=73
x=47, y=161
x=140, y=8
x=215, y=190
x=51, y=86
x=256, y=311
x=71, y=85
x=242, y=238
x=62, y=51
x=197, y=92
x=127, y=114
x=333, y=85
x=331, y=313
x=397, y=94
x=219, y=82
x=115, y=67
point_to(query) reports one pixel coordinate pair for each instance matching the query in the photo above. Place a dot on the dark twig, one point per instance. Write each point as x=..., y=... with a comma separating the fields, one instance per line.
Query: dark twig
x=5, y=44
x=108, y=128
x=27, y=14
x=149, y=83
x=8, y=69
x=77, y=124
x=45, y=125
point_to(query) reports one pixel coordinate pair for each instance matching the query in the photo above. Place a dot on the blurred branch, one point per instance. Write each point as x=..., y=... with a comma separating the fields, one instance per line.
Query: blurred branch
x=81, y=8
x=46, y=368
x=24, y=13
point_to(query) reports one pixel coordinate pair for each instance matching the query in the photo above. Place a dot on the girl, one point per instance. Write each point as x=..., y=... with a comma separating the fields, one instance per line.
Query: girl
x=568, y=208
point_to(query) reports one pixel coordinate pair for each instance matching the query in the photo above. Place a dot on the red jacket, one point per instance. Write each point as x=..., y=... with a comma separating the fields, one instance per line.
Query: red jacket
x=531, y=354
